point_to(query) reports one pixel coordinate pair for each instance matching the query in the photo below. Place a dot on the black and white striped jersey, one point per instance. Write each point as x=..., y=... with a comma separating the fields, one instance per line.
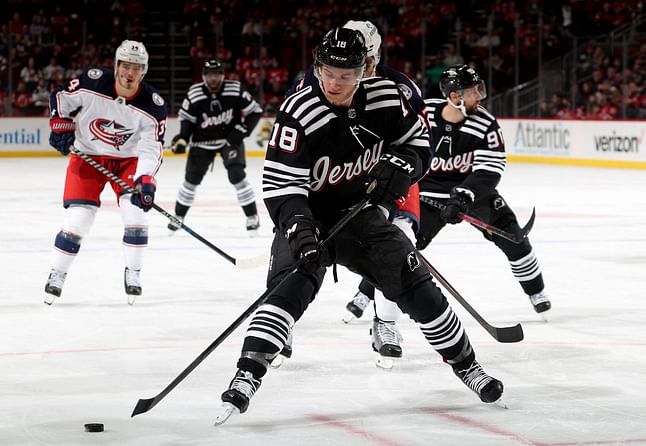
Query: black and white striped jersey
x=319, y=155
x=206, y=116
x=469, y=154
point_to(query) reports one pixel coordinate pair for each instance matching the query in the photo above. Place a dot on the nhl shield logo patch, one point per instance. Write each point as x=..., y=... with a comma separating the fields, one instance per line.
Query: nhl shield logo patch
x=412, y=260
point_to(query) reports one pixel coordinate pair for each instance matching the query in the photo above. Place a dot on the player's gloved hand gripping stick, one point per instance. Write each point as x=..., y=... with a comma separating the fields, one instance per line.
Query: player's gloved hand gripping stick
x=516, y=238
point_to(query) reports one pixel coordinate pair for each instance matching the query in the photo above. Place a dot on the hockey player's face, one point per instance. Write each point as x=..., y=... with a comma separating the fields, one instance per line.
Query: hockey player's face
x=339, y=84
x=213, y=80
x=370, y=67
x=472, y=97
x=129, y=75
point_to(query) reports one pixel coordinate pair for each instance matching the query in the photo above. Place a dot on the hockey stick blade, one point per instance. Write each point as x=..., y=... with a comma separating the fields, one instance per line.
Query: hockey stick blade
x=143, y=405
x=504, y=335
x=528, y=227
x=507, y=335
x=253, y=262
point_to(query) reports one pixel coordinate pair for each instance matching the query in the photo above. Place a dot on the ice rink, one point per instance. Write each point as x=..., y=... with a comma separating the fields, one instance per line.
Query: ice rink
x=578, y=379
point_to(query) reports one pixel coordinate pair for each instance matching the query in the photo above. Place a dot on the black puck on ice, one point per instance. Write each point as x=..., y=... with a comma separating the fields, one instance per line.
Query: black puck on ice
x=93, y=427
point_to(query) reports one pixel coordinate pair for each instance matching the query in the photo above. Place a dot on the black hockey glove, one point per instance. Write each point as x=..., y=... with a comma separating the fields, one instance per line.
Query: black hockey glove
x=237, y=135
x=459, y=201
x=178, y=144
x=303, y=237
x=144, y=195
x=62, y=135
x=393, y=179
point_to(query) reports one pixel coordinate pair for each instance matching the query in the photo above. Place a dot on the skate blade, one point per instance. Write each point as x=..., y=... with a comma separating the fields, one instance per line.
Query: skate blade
x=349, y=317
x=253, y=233
x=49, y=299
x=131, y=299
x=500, y=403
x=277, y=362
x=385, y=363
x=227, y=410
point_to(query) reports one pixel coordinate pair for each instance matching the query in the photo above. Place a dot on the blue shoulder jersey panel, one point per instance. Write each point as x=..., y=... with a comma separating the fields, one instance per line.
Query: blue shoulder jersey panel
x=409, y=89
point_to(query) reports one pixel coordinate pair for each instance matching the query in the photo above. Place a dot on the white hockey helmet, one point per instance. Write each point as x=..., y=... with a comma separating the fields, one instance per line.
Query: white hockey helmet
x=133, y=52
x=370, y=35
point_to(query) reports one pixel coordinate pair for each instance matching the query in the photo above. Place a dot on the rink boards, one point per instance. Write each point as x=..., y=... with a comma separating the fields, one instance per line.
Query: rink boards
x=569, y=142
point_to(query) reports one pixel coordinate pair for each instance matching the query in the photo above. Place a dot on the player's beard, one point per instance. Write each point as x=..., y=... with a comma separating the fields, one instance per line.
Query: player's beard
x=472, y=109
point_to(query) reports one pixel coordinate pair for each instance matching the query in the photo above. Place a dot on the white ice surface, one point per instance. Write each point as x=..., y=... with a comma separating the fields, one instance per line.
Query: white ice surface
x=579, y=379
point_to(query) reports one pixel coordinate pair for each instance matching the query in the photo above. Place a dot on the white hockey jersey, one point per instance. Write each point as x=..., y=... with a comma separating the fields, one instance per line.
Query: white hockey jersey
x=111, y=125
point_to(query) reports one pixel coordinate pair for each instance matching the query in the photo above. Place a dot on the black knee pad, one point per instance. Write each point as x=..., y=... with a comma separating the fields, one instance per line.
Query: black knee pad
x=194, y=177
x=295, y=295
x=423, y=303
x=236, y=173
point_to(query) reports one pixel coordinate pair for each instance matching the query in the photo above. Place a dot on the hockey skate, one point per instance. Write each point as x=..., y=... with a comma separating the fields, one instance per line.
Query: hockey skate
x=235, y=400
x=356, y=307
x=285, y=353
x=489, y=389
x=132, y=284
x=173, y=226
x=386, y=341
x=253, y=223
x=540, y=302
x=54, y=286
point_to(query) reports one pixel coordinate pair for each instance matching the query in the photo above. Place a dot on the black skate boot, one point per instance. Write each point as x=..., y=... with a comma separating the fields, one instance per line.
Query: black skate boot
x=489, y=389
x=236, y=398
x=54, y=285
x=356, y=306
x=173, y=226
x=386, y=340
x=253, y=222
x=540, y=302
x=132, y=284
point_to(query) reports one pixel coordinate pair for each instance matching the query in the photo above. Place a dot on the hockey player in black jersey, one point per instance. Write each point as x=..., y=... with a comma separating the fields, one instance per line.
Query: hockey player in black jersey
x=386, y=338
x=216, y=115
x=330, y=140
x=467, y=167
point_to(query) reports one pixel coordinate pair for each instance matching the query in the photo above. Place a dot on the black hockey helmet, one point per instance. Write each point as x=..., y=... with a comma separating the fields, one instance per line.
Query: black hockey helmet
x=212, y=66
x=342, y=48
x=460, y=77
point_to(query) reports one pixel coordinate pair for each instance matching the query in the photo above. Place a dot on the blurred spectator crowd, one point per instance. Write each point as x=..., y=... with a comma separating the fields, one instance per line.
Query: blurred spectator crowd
x=267, y=43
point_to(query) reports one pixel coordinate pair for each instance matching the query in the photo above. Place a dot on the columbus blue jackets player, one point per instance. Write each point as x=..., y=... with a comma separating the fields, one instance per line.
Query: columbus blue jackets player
x=468, y=165
x=216, y=115
x=329, y=140
x=119, y=120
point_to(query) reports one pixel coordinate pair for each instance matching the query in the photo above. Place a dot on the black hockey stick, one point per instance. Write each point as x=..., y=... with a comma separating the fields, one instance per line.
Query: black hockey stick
x=516, y=238
x=242, y=263
x=198, y=143
x=500, y=334
x=144, y=405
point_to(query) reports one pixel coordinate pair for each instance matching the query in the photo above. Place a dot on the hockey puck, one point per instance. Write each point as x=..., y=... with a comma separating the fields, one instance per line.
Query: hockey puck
x=93, y=427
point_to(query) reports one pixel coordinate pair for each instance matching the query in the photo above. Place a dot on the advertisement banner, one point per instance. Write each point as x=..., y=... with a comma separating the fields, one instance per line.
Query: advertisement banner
x=585, y=143
x=598, y=143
